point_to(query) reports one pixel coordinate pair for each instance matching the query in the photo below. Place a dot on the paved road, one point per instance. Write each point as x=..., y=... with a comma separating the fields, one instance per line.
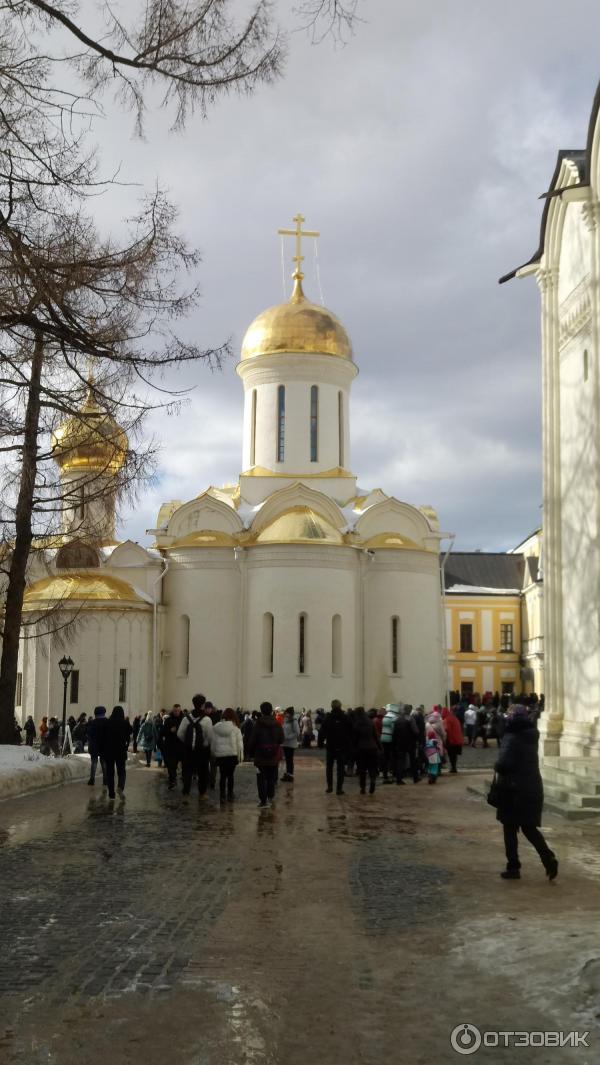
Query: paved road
x=342, y=930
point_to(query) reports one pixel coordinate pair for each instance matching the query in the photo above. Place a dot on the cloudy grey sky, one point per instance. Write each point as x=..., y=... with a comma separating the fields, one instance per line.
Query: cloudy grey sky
x=418, y=150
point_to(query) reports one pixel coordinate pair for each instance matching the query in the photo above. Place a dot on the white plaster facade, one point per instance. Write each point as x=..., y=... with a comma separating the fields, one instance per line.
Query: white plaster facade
x=567, y=268
x=291, y=585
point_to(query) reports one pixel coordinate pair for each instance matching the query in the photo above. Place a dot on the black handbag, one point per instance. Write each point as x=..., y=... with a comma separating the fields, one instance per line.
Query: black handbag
x=493, y=795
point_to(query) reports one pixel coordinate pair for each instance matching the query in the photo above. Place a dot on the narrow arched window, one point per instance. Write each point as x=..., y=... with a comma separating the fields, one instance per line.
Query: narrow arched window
x=395, y=645
x=268, y=642
x=184, y=645
x=314, y=422
x=302, y=643
x=336, y=644
x=81, y=502
x=586, y=365
x=253, y=429
x=341, y=428
x=280, y=423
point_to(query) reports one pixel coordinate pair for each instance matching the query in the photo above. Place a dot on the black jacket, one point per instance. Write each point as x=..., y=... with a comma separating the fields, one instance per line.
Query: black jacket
x=521, y=792
x=114, y=739
x=336, y=731
x=365, y=734
x=168, y=735
x=265, y=740
x=96, y=737
x=404, y=735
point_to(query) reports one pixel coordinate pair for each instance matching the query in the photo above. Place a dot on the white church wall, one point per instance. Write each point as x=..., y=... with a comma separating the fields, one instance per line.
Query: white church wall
x=101, y=643
x=203, y=584
x=580, y=546
x=287, y=581
x=405, y=584
x=575, y=259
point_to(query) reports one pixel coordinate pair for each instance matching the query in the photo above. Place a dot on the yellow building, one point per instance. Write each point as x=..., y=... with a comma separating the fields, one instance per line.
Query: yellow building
x=494, y=640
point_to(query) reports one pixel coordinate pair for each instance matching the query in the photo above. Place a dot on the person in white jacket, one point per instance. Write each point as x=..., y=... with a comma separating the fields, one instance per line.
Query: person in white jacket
x=227, y=748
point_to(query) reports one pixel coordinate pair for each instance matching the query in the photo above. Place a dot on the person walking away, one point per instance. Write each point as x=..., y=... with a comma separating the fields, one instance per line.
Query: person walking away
x=520, y=793
x=367, y=747
x=306, y=729
x=30, y=732
x=418, y=716
x=147, y=738
x=404, y=740
x=52, y=737
x=454, y=737
x=195, y=732
x=96, y=744
x=227, y=748
x=43, y=735
x=471, y=724
x=319, y=720
x=482, y=726
x=387, y=740
x=291, y=735
x=265, y=742
x=246, y=730
x=79, y=734
x=337, y=738
x=171, y=744
x=435, y=722
x=129, y=728
x=135, y=729
x=433, y=753
x=114, y=741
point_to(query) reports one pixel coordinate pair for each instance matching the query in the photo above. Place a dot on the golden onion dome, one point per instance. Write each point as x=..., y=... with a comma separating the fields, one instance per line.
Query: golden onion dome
x=91, y=440
x=297, y=326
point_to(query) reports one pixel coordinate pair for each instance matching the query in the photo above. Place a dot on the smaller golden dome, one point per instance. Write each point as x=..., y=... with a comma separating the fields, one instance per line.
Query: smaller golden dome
x=92, y=440
x=297, y=326
x=300, y=525
x=93, y=589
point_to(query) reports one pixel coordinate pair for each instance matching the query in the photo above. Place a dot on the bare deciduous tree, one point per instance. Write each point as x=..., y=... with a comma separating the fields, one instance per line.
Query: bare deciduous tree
x=69, y=296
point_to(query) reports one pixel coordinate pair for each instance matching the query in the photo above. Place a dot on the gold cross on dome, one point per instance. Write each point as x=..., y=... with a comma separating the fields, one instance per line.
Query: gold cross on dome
x=298, y=233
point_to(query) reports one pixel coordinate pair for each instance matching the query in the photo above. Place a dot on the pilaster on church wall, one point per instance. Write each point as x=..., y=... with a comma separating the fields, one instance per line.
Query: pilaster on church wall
x=547, y=278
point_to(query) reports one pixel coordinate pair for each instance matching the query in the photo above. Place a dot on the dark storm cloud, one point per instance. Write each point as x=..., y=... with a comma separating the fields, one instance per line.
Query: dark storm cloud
x=419, y=150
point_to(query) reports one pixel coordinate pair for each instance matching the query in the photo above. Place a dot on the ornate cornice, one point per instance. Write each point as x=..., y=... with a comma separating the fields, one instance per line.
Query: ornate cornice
x=547, y=278
x=591, y=214
x=575, y=312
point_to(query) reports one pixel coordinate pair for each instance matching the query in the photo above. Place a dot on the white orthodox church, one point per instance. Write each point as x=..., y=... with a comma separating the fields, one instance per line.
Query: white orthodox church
x=566, y=266
x=292, y=585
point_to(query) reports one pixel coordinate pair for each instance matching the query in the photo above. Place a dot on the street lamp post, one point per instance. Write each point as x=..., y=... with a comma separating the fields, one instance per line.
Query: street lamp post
x=66, y=667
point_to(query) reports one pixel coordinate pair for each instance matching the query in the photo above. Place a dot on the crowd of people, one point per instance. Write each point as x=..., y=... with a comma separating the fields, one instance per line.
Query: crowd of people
x=394, y=743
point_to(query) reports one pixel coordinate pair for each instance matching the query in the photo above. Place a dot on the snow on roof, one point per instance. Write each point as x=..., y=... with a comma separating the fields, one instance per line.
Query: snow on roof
x=471, y=589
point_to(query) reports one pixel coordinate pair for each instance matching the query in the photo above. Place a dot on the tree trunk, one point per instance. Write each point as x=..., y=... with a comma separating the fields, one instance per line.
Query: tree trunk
x=20, y=554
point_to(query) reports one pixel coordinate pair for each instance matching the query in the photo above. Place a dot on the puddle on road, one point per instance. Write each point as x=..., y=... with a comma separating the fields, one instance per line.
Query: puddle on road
x=356, y=828
x=245, y=1014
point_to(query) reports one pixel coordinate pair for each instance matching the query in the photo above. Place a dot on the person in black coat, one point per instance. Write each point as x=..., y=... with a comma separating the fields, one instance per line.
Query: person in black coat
x=367, y=747
x=404, y=742
x=115, y=740
x=96, y=745
x=520, y=793
x=172, y=746
x=337, y=736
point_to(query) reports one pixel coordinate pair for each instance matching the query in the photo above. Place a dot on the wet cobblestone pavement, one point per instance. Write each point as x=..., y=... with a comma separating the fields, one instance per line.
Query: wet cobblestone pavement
x=345, y=930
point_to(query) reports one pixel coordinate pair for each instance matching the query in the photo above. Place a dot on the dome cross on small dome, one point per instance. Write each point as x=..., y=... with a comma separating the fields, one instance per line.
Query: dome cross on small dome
x=298, y=233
